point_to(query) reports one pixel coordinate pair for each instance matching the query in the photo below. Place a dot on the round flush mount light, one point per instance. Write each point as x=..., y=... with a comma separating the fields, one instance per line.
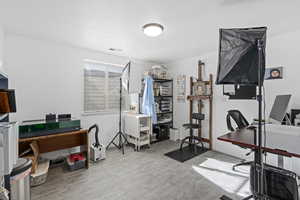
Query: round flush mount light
x=153, y=29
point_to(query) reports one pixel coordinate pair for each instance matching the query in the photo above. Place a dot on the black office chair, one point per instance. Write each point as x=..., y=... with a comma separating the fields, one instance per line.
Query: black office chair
x=193, y=140
x=241, y=123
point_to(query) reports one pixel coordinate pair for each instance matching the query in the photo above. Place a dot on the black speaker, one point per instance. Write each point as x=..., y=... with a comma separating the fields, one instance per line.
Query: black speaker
x=294, y=112
x=280, y=184
x=64, y=117
x=50, y=117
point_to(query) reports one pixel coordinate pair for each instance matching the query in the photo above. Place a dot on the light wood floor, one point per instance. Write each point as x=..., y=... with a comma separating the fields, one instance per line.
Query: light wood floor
x=146, y=175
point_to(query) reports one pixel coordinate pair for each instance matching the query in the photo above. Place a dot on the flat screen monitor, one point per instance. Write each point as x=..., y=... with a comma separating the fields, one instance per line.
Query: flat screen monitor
x=279, y=108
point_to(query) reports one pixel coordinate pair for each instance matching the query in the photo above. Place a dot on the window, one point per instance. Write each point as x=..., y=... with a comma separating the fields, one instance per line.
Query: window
x=101, y=87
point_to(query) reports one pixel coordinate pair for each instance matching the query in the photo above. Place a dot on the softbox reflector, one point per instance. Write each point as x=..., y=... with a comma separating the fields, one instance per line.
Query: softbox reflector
x=238, y=55
x=126, y=76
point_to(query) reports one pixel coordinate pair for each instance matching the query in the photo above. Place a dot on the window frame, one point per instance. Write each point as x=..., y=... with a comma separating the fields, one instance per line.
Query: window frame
x=98, y=112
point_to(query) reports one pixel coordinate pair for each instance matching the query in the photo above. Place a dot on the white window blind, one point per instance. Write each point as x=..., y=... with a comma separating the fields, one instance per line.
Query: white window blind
x=101, y=87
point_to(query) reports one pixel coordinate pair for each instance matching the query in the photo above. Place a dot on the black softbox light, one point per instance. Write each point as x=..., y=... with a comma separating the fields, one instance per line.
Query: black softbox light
x=238, y=56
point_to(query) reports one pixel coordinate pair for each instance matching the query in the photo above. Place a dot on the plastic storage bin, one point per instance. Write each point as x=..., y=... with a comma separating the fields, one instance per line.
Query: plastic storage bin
x=41, y=173
x=20, y=181
x=76, y=161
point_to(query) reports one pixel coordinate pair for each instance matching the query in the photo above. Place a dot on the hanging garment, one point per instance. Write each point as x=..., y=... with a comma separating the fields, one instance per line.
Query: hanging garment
x=148, y=106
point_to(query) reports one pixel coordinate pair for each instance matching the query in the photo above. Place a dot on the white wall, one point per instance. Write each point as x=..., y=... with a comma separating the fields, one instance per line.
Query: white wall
x=1, y=48
x=48, y=77
x=282, y=50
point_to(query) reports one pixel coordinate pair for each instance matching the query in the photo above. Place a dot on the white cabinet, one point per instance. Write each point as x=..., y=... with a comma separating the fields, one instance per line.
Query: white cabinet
x=138, y=128
x=9, y=138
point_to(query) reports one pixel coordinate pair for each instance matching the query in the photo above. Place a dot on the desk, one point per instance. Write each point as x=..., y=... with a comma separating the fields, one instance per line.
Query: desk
x=281, y=140
x=59, y=141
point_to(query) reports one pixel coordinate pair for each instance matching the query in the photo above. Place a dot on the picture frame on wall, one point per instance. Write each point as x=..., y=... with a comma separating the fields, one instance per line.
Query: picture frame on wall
x=274, y=73
x=181, y=88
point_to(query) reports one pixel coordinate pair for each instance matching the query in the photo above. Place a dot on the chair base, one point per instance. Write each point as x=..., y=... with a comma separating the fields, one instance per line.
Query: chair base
x=192, y=141
x=241, y=164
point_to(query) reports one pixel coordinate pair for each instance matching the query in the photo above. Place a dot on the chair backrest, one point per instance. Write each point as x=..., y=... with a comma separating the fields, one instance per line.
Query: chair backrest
x=239, y=119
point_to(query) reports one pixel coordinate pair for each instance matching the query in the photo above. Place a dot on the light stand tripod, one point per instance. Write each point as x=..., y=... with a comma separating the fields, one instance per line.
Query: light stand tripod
x=258, y=179
x=258, y=185
x=122, y=140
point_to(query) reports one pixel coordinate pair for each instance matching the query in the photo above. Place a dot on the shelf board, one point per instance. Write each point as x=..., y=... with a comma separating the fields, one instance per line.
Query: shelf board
x=145, y=128
x=169, y=96
x=163, y=113
x=170, y=122
x=162, y=80
x=198, y=97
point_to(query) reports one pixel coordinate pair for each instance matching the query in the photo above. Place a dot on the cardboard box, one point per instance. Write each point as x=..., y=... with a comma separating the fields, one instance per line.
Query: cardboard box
x=34, y=156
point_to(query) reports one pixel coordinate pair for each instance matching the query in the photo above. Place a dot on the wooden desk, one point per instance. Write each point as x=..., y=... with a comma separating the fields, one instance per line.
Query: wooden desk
x=59, y=141
x=245, y=138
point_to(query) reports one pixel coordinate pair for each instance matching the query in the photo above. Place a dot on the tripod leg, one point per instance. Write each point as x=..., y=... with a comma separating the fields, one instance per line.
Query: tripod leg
x=125, y=139
x=112, y=141
x=121, y=142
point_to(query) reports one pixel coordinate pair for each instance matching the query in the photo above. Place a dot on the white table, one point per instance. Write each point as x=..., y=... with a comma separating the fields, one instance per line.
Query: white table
x=138, y=128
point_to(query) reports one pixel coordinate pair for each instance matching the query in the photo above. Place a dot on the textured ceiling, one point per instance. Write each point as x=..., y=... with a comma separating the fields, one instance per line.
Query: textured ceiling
x=191, y=27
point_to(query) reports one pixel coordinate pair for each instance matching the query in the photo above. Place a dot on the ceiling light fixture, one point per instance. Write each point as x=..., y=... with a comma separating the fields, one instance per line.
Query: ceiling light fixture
x=153, y=29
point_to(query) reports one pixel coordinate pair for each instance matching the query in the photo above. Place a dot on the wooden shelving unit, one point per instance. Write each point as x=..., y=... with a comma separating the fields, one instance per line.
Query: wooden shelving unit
x=200, y=98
